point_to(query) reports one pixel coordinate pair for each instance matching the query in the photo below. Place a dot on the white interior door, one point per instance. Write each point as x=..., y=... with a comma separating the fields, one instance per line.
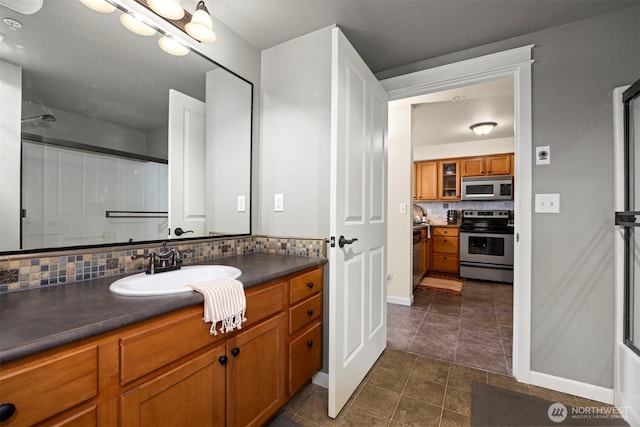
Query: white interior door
x=187, y=172
x=627, y=251
x=357, y=289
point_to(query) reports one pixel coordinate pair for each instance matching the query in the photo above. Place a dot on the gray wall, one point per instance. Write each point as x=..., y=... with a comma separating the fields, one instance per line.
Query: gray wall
x=577, y=66
x=295, y=136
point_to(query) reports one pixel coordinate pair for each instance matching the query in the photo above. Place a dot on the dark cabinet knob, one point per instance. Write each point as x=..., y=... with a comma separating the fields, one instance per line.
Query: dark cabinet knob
x=223, y=360
x=6, y=411
x=235, y=351
x=310, y=312
x=309, y=343
x=310, y=285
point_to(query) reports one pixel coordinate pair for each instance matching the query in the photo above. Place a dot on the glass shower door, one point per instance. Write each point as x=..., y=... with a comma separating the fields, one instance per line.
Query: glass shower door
x=629, y=218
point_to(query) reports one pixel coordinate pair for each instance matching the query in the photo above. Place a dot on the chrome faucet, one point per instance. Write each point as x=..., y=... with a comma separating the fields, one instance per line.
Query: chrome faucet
x=167, y=260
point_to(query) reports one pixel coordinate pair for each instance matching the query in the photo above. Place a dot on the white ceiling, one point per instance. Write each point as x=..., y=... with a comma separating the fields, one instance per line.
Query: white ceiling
x=445, y=117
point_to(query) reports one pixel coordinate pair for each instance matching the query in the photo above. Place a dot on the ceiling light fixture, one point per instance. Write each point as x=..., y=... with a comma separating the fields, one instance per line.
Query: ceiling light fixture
x=200, y=27
x=101, y=6
x=172, y=46
x=170, y=9
x=483, y=128
x=135, y=25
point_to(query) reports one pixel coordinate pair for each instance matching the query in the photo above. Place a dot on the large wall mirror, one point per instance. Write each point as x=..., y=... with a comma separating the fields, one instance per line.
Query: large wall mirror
x=119, y=142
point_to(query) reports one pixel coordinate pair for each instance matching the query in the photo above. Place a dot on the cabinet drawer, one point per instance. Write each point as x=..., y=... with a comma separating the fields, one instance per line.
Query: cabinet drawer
x=263, y=301
x=445, y=244
x=445, y=231
x=305, y=285
x=447, y=263
x=163, y=342
x=46, y=388
x=305, y=357
x=304, y=313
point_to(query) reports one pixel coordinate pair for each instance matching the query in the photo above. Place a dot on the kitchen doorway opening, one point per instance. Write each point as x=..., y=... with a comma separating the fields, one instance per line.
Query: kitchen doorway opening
x=514, y=64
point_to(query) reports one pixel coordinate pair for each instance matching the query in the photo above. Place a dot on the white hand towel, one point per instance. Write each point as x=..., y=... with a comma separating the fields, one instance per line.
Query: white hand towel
x=224, y=301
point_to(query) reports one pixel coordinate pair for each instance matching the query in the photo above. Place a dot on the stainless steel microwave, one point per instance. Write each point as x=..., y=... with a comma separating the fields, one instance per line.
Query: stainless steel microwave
x=487, y=188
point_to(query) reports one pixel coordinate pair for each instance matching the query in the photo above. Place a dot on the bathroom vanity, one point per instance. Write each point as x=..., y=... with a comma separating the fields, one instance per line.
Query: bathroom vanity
x=152, y=361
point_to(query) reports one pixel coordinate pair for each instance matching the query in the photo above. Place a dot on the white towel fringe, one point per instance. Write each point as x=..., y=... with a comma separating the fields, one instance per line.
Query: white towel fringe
x=224, y=301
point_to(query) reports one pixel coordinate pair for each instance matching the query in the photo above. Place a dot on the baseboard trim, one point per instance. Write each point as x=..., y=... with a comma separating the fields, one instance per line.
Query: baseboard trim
x=401, y=301
x=577, y=388
x=321, y=379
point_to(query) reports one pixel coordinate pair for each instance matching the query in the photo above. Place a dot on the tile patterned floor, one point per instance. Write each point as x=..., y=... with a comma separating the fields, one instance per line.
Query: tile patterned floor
x=407, y=389
x=436, y=349
x=473, y=329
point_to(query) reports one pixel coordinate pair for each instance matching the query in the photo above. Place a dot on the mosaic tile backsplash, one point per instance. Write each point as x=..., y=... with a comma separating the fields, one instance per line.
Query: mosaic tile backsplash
x=19, y=272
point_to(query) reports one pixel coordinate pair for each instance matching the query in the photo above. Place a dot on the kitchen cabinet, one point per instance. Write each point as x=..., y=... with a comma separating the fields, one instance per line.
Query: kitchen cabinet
x=169, y=370
x=436, y=180
x=425, y=181
x=449, y=180
x=498, y=164
x=445, y=251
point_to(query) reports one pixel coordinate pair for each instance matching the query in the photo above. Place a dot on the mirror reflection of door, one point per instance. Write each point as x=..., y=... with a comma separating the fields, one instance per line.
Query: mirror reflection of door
x=187, y=150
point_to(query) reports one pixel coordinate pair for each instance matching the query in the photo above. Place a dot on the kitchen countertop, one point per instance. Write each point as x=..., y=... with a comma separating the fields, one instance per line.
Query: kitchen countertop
x=35, y=320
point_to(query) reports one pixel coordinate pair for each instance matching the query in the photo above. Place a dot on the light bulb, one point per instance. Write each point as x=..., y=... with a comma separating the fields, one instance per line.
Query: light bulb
x=135, y=25
x=201, y=27
x=173, y=47
x=101, y=6
x=170, y=9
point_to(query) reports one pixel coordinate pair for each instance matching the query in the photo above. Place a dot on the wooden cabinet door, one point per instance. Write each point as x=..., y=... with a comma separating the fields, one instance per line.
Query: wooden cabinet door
x=449, y=180
x=256, y=373
x=472, y=166
x=499, y=164
x=191, y=394
x=425, y=185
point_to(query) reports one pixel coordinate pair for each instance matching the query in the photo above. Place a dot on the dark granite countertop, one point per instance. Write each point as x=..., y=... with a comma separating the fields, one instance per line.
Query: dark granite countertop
x=40, y=319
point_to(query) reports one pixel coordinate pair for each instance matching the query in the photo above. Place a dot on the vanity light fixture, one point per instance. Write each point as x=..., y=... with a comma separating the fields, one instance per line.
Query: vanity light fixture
x=483, y=128
x=135, y=25
x=170, y=9
x=101, y=6
x=200, y=27
x=172, y=46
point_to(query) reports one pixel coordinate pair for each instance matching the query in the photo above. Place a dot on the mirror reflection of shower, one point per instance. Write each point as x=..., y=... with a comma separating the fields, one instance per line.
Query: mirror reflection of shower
x=43, y=117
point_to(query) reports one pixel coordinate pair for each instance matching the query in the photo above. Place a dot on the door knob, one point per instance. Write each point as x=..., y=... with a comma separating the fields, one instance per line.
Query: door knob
x=342, y=241
x=179, y=231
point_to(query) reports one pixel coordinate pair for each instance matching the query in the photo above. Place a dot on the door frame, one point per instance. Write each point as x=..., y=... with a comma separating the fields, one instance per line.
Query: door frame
x=515, y=63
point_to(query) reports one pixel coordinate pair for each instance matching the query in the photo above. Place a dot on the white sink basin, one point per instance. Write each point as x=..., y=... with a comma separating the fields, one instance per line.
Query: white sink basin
x=171, y=282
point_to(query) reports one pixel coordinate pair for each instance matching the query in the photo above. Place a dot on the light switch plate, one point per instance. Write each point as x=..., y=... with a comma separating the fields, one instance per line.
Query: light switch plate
x=403, y=208
x=278, y=202
x=547, y=203
x=241, y=203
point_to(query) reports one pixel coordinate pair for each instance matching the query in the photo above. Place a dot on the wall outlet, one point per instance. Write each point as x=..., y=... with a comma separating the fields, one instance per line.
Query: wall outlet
x=241, y=203
x=278, y=202
x=547, y=203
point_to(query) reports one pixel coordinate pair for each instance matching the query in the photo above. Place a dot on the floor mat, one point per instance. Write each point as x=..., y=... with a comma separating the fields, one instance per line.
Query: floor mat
x=497, y=407
x=439, y=284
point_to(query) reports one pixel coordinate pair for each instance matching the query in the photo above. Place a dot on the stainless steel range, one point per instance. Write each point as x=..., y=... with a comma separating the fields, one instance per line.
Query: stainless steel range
x=486, y=245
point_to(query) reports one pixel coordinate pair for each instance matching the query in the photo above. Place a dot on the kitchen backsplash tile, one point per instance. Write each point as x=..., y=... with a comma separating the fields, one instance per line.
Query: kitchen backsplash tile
x=19, y=272
x=438, y=213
